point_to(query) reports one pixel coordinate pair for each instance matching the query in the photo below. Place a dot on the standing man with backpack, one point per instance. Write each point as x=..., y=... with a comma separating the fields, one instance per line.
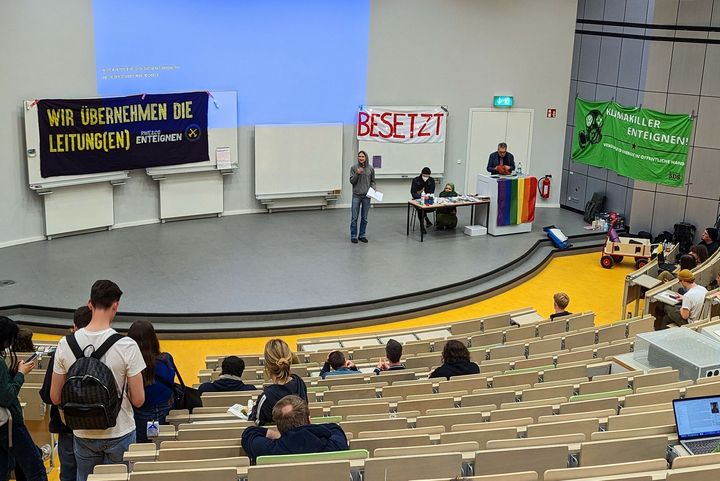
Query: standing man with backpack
x=97, y=378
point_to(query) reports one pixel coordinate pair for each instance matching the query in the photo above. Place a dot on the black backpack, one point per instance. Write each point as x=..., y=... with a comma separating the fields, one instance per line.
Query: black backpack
x=684, y=235
x=594, y=206
x=90, y=398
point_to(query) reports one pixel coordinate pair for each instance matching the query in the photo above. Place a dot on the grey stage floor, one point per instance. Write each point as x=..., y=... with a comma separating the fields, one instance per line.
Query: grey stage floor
x=259, y=262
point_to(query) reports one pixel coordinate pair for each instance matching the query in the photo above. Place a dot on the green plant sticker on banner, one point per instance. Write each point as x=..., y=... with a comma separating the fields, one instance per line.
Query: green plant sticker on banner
x=639, y=143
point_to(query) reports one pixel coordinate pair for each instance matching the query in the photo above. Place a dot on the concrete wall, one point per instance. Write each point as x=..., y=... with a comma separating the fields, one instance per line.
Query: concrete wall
x=665, y=75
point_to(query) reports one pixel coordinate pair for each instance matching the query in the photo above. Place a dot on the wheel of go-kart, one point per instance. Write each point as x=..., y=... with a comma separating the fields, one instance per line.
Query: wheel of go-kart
x=640, y=263
x=617, y=259
x=606, y=261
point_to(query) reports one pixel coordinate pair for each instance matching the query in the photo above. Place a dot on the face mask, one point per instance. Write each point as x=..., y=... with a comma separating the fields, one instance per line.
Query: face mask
x=425, y=177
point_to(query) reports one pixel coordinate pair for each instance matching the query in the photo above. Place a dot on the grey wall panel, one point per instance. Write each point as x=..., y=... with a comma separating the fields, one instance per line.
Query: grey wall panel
x=568, y=148
x=586, y=90
x=589, y=56
x=594, y=186
x=706, y=124
x=627, y=97
x=571, y=103
x=686, y=68
x=575, y=193
x=594, y=9
x=578, y=167
x=609, y=60
x=563, y=187
x=630, y=63
x=642, y=185
x=701, y=213
x=695, y=12
x=654, y=100
x=711, y=73
x=597, y=173
x=636, y=11
x=616, y=178
x=643, y=203
x=614, y=10
x=665, y=12
x=575, y=58
x=628, y=203
x=658, y=66
x=604, y=92
x=669, y=210
x=705, y=174
x=616, y=198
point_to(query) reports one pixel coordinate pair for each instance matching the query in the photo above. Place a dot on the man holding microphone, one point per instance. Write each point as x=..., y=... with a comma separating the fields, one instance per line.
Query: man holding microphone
x=362, y=177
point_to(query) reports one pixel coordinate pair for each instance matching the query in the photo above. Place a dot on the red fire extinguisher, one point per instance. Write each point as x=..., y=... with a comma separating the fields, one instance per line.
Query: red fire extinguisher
x=544, y=187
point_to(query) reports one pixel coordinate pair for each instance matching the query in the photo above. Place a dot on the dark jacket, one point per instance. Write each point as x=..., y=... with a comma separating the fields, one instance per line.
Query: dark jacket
x=418, y=184
x=262, y=410
x=9, y=388
x=225, y=385
x=494, y=161
x=313, y=438
x=560, y=314
x=711, y=247
x=459, y=368
x=56, y=425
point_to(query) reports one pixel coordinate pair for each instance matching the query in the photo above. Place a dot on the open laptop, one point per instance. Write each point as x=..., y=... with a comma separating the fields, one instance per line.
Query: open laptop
x=698, y=423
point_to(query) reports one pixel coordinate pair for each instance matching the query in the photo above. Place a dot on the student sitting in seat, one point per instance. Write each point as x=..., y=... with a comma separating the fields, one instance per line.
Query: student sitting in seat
x=447, y=216
x=560, y=303
x=229, y=380
x=393, y=351
x=278, y=359
x=456, y=361
x=296, y=435
x=336, y=364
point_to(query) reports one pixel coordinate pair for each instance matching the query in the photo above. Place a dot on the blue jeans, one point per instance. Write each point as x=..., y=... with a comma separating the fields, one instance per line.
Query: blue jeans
x=26, y=455
x=68, y=466
x=91, y=452
x=145, y=414
x=360, y=206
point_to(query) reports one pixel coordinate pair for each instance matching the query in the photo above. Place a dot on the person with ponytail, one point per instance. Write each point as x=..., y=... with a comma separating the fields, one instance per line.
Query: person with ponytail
x=278, y=359
x=15, y=440
x=158, y=378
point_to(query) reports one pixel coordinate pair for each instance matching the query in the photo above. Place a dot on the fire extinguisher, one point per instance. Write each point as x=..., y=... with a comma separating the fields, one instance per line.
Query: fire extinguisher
x=544, y=187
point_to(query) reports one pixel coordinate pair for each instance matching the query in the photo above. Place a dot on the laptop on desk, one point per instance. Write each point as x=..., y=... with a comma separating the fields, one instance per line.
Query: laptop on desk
x=698, y=423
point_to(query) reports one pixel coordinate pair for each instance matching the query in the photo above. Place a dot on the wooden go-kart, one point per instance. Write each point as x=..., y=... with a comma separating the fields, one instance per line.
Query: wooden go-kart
x=620, y=247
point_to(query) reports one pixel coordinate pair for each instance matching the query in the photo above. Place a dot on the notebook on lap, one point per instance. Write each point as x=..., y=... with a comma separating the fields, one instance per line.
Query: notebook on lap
x=698, y=423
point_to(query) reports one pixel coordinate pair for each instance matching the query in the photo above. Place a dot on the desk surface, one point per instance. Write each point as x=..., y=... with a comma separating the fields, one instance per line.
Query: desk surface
x=479, y=201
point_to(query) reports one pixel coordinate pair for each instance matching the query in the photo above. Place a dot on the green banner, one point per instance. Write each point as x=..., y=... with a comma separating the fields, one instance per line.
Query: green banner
x=639, y=143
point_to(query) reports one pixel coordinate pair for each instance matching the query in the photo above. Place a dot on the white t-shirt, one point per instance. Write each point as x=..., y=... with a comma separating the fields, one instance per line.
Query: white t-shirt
x=124, y=360
x=693, y=300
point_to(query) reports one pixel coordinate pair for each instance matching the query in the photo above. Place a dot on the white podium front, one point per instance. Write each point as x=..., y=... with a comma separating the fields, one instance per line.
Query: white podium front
x=488, y=186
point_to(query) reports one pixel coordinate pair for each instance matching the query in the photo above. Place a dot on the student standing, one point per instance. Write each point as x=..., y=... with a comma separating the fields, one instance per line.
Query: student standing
x=123, y=358
x=362, y=177
x=15, y=440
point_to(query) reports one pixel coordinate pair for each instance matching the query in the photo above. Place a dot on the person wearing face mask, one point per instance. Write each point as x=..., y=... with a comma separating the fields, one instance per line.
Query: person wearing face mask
x=447, y=216
x=362, y=177
x=422, y=184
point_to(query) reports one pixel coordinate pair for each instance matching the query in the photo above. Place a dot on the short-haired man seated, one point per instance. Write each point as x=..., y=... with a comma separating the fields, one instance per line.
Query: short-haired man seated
x=560, y=303
x=294, y=435
x=336, y=364
x=229, y=379
x=393, y=352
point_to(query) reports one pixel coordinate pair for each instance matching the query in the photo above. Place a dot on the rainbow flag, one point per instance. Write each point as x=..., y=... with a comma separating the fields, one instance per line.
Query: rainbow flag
x=516, y=200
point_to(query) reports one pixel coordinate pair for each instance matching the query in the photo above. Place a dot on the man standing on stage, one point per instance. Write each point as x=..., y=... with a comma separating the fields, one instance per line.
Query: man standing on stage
x=501, y=162
x=362, y=177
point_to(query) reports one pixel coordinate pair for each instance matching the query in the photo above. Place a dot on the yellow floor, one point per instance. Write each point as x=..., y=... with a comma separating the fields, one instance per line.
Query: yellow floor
x=590, y=287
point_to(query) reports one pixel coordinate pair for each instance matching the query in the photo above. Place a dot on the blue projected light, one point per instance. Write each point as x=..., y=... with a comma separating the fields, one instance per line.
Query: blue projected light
x=289, y=61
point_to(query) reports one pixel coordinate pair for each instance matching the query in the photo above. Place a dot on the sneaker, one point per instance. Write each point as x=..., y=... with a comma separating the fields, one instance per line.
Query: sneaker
x=354, y=241
x=363, y=239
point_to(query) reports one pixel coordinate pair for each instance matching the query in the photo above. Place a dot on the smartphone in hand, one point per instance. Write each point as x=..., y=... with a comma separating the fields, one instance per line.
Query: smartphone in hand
x=31, y=358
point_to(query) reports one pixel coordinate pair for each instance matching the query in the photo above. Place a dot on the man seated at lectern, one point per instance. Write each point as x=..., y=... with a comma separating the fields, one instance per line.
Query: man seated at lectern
x=422, y=184
x=501, y=162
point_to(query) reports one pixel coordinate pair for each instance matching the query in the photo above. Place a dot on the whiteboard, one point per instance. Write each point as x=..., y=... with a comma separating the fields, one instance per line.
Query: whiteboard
x=294, y=159
x=405, y=159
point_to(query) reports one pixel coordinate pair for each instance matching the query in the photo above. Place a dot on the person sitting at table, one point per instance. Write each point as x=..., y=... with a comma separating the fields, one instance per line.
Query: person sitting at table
x=422, y=184
x=501, y=162
x=447, y=216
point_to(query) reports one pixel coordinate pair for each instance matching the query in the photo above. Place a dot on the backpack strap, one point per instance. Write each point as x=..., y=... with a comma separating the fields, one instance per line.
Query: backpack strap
x=105, y=347
x=74, y=346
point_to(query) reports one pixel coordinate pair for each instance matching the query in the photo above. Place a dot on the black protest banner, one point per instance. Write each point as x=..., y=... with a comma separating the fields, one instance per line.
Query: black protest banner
x=88, y=136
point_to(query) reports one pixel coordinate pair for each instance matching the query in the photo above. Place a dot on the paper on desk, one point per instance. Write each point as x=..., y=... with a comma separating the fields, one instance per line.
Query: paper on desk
x=372, y=193
x=223, y=160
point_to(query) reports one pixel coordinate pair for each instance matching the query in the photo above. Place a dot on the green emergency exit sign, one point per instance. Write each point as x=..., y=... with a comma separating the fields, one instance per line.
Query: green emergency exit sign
x=502, y=101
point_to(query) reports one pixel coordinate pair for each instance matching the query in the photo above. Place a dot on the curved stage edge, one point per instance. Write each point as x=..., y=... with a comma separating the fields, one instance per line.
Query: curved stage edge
x=346, y=315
